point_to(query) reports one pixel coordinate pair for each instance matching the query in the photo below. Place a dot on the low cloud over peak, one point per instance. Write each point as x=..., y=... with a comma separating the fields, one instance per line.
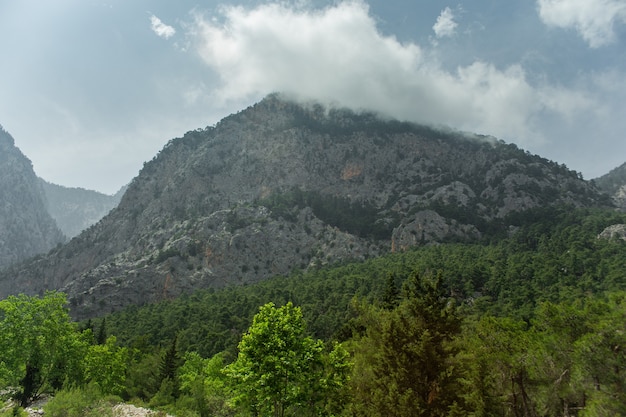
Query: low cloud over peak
x=520, y=70
x=338, y=54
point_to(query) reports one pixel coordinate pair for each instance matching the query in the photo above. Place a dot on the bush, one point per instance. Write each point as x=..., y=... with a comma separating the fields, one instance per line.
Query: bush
x=79, y=402
x=15, y=411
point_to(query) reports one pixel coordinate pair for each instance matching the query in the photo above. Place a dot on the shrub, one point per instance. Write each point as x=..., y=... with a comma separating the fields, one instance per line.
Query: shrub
x=80, y=402
x=15, y=411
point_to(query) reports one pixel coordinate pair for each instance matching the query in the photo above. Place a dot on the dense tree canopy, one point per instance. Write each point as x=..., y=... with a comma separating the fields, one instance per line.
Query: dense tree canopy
x=406, y=359
x=529, y=325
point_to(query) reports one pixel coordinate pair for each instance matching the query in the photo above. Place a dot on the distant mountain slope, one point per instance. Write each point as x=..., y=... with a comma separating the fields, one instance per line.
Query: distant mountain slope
x=26, y=227
x=75, y=209
x=282, y=186
x=614, y=184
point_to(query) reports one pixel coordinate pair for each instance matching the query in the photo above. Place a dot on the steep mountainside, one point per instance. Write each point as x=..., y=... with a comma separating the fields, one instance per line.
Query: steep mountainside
x=26, y=228
x=281, y=186
x=75, y=209
x=614, y=184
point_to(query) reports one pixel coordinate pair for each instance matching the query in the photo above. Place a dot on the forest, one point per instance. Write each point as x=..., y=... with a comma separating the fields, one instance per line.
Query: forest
x=529, y=324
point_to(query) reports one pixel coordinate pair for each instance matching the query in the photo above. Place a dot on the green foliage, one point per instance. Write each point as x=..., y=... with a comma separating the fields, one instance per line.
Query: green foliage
x=15, y=411
x=101, y=336
x=509, y=349
x=39, y=345
x=531, y=324
x=553, y=255
x=205, y=385
x=280, y=370
x=567, y=361
x=277, y=361
x=166, y=394
x=142, y=379
x=600, y=366
x=405, y=363
x=359, y=218
x=80, y=402
x=332, y=389
x=105, y=365
x=168, y=366
x=391, y=295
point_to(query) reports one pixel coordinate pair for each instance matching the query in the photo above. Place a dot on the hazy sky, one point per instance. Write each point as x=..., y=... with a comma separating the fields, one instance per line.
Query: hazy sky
x=92, y=89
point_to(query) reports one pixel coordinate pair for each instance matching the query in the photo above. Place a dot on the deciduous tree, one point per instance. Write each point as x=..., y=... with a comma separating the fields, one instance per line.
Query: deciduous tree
x=106, y=366
x=36, y=338
x=277, y=362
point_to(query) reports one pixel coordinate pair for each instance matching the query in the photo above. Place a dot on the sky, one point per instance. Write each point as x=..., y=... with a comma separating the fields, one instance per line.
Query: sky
x=92, y=89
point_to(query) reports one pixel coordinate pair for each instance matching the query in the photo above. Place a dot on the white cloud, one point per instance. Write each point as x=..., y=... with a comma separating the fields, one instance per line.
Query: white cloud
x=445, y=25
x=161, y=29
x=338, y=55
x=594, y=20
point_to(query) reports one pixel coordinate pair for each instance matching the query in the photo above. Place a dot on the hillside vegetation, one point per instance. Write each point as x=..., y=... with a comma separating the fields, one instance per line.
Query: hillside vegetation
x=527, y=325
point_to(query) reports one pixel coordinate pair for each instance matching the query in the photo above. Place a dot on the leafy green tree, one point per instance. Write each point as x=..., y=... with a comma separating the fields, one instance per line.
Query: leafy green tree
x=332, y=388
x=38, y=343
x=277, y=362
x=204, y=381
x=105, y=365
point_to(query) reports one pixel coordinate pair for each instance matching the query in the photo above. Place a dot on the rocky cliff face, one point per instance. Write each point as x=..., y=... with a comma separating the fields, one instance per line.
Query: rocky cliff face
x=614, y=184
x=75, y=209
x=26, y=228
x=282, y=186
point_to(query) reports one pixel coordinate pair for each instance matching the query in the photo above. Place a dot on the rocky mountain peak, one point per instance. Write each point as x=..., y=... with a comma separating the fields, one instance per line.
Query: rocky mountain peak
x=26, y=228
x=282, y=186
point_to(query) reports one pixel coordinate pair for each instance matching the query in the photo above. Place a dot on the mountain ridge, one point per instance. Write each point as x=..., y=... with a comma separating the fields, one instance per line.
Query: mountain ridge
x=282, y=185
x=26, y=227
x=36, y=214
x=75, y=209
x=614, y=184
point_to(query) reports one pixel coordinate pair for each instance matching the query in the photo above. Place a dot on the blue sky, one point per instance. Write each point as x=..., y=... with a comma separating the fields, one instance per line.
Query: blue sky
x=92, y=89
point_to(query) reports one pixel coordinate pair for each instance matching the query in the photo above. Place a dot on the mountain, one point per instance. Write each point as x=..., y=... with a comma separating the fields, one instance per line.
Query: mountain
x=26, y=227
x=614, y=184
x=283, y=186
x=75, y=209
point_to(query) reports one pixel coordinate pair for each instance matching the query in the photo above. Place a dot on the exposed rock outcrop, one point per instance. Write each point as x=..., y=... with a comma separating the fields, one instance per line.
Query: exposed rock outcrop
x=614, y=232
